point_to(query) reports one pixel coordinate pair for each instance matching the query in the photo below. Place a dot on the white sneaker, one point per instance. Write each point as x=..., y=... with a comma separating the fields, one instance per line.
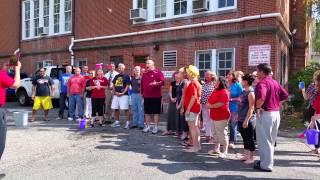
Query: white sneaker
x=155, y=130
x=127, y=125
x=232, y=146
x=78, y=119
x=184, y=136
x=70, y=119
x=223, y=155
x=146, y=129
x=115, y=124
x=58, y=118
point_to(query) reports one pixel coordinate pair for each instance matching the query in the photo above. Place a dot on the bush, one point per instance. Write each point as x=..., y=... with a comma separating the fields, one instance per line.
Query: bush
x=306, y=76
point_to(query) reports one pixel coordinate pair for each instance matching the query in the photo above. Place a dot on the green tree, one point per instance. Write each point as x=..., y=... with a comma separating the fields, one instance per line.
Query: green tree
x=313, y=10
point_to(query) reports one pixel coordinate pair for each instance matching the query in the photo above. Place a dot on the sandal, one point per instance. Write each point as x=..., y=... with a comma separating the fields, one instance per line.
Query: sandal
x=184, y=143
x=213, y=152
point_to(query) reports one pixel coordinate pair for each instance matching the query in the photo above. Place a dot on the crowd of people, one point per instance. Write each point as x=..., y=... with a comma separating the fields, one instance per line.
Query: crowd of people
x=219, y=107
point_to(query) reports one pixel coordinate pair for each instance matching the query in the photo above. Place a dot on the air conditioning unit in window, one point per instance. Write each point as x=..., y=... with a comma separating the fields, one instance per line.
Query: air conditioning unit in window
x=138, y=15
x=200, y=6
x=43, y=31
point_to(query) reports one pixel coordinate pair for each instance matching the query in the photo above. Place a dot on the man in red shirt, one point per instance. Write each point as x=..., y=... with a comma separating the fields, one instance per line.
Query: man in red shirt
x=76, y=86
x=6, y=82
x=151, y=86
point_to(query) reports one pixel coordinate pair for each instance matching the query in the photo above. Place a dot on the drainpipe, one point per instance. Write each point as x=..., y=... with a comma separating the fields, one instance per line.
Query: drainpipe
x=71, y=51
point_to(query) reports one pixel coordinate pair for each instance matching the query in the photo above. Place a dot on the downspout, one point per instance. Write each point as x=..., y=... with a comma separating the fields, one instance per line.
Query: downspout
x=73, y=29
x=71, y=51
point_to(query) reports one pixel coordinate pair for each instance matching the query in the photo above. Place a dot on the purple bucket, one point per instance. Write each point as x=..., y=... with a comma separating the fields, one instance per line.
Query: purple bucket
x=82, y=124
x=312, y=136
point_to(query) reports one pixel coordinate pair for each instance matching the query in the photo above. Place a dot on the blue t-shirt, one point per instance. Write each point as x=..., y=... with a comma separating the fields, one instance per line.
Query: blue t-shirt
x=63, y=80
x=235, y=92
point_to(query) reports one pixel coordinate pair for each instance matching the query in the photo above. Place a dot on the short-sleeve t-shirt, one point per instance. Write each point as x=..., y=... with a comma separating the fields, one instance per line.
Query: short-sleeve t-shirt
x=5, y=82
x=193, y=89
x=42, y=85
x=76, y=84
x=316, y=104
x=120, y=82
x=136, y=85
x=64, y=78
x=235, y=92
x=223, y=112
x=99, y=93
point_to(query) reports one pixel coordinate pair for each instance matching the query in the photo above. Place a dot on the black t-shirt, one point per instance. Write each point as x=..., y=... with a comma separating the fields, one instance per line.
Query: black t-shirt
x=120, y=82
x=88, y=92
x=42, y=85
x=174, y=89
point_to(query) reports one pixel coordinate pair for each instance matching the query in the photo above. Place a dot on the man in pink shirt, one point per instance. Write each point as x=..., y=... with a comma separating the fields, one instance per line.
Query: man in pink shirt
x=6, y=82
x=151, y=86
x=76, y=86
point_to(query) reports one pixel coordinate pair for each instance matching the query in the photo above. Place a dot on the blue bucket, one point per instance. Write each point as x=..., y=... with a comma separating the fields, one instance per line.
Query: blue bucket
x=312, y=136
x=82, y=124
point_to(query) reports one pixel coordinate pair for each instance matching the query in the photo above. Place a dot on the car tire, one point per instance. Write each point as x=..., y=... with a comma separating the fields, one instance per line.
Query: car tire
x=23, y=98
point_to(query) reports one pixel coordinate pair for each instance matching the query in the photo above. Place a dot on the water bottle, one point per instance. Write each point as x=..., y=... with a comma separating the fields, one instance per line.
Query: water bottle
x=301, y=85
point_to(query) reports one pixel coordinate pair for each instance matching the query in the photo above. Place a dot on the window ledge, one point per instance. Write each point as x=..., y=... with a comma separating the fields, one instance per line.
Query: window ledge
x=175, y=18
x=46, y=37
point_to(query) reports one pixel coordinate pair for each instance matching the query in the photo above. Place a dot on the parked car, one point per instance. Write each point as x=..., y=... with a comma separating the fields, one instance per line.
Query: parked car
x=24, y=92
x=11, y=92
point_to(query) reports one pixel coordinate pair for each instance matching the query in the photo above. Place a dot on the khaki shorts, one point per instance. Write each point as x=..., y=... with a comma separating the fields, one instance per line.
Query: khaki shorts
x=191, y=117
x=220, y=131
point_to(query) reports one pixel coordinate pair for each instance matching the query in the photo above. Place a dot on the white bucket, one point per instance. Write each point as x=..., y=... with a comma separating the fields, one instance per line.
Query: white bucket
x=21, y=118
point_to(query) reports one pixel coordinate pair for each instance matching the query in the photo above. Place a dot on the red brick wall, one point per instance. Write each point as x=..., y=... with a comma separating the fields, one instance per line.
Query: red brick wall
x=9, y=30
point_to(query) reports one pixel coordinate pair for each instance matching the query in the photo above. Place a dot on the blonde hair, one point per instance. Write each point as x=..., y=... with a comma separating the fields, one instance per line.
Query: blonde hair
x=213, y=75
x=192, y=71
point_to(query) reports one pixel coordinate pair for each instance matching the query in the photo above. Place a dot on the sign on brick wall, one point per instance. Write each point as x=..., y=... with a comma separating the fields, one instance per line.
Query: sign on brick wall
x=168, y=74
x=259, y=54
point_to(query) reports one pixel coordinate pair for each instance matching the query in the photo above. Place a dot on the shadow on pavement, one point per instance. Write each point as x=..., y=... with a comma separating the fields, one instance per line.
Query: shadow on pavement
x=231, y=177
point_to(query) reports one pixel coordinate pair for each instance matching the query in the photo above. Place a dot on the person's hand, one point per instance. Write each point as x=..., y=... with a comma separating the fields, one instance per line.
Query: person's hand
x=52, y=94
x=18, y=66
x=208, y=106
x=32, y=97
x=245, y=124
x=312, y=124
x=173, y=100
x=187, y=112
x=181, y=111
x=154, y=83
x=258, y=113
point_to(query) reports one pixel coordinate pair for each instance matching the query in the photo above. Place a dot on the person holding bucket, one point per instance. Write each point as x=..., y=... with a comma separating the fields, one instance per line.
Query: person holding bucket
x=315, y=120
x=6, y=82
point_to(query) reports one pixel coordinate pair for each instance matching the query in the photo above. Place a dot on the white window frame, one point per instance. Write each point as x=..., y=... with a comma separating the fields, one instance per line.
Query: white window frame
x=161, y=4
x=224, y=50
x=213, y=7
x=36, y=18
x=214, y=58
x=41, y=17
x=142, y=3
x=43, y=63
x=78, y=60
x=67, y=22
x=171, y=51
x=227, y=7
x=56, y=16
x=26, y=20
x=44, y=16
x=180, y=3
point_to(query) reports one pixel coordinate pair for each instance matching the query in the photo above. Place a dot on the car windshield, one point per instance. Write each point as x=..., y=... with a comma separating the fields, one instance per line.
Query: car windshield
x=56, y=72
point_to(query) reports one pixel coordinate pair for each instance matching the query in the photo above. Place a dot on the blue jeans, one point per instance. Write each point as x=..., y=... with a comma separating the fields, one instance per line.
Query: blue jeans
x=75, y=100
x=62, y=104
x=137, y=110
x=233, y=127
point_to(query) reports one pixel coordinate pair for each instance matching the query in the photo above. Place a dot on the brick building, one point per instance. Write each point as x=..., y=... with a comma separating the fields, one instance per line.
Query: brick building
x=212, y=34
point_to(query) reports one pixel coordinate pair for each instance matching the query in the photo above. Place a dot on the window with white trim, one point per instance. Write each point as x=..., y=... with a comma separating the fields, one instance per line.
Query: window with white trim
x=225, y=61
x=67, y=15
x=170, y=9
x=160, y=8
x=143, y=4
x=36, y=12
x=220, y=61
x=180, y=7
x=56, y=16
x=81, y=62
x=169, y=58
x=204, y=62
x=225, y=3
x=44, y=63
x=46, y=9
x=26, y=18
